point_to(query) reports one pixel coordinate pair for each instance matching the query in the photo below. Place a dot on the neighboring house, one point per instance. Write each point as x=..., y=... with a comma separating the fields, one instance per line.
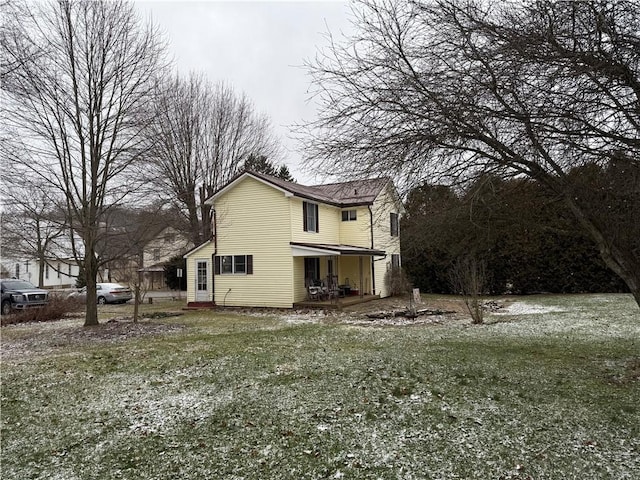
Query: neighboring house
x=58, y=273
x=167, y=244
x=272, y=238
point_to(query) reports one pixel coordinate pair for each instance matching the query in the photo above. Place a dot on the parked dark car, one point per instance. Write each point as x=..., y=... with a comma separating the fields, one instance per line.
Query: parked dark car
x=20, y=295
x=106, y=293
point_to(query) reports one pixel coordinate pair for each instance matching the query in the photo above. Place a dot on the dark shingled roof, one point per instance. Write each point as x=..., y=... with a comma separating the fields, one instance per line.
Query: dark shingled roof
x=344, y=194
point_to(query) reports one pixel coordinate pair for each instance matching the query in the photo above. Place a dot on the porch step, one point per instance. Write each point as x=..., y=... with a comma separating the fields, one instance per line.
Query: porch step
x=200, y=306
x=335, y=304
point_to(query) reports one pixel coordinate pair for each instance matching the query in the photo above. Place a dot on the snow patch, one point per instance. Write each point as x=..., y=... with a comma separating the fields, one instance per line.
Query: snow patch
x=521, y=308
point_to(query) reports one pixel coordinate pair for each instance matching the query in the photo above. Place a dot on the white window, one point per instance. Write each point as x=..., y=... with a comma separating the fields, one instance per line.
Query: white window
x=201, y=276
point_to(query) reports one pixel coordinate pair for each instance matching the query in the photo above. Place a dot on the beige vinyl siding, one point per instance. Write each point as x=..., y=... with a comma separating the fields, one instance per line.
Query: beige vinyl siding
x=384, y=205
x=356, y=232
x=299, y=290
x=350, y=269
x=253, y=219
x=328, y=223
x=203, y=253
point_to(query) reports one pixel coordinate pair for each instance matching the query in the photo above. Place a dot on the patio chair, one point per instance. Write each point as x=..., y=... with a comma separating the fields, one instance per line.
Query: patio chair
x=314, y=290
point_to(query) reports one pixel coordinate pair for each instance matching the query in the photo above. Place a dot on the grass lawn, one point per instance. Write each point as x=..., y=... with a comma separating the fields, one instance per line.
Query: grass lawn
x=547, y=389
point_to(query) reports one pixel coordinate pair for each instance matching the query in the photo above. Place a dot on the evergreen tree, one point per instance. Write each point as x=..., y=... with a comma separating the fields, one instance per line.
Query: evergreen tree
x=284, y=173
x=527, y=239
x=171, y=272
x=261, y=164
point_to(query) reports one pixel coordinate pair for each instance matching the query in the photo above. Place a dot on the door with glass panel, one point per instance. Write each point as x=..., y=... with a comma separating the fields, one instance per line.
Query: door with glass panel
x=202, y=281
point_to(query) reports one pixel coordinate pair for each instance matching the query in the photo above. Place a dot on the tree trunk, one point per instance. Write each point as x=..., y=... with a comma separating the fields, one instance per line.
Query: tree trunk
x=194, y=225
x=91, y=272
x=206, y=221
x=136, y=302
x=41, y=267
x=624, y=263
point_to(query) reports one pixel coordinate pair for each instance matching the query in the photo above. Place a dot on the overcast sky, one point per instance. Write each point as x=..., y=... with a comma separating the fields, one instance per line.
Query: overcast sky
x=257, y=47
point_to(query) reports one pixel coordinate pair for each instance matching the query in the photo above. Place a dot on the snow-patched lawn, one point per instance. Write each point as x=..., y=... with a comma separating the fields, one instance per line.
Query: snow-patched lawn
x=548, y=388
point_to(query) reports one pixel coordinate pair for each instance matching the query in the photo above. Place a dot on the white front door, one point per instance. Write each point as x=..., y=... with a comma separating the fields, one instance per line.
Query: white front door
x=202, y=281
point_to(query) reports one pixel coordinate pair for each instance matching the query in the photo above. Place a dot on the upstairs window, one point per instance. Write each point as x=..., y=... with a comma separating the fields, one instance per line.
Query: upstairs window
x=395, y=225
x=349, y=215
x=310, y=217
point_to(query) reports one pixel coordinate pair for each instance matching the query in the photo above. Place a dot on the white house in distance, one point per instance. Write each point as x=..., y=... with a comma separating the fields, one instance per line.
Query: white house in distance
x=274, y=240
x=168, y=243
x=58, y=273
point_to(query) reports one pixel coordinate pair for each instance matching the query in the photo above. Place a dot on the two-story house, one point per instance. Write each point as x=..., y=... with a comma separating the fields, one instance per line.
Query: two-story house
x=273, y=237
x=161, y=248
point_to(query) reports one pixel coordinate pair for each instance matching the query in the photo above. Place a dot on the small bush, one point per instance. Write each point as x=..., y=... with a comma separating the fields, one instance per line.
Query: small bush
x=56, y=309
x=468, y=278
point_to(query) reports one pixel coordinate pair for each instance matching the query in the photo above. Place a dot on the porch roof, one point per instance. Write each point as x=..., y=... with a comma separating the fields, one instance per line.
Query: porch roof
x=299, y=249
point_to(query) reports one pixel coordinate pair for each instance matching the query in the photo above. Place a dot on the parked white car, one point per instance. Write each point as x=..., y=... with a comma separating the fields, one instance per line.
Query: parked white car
x=106, y=293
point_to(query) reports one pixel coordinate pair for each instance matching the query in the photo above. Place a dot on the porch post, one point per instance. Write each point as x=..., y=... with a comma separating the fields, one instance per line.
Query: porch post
x=361, y=276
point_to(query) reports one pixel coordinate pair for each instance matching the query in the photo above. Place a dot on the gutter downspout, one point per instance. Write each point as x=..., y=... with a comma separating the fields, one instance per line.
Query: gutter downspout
x=213, y=258
x=373, y=270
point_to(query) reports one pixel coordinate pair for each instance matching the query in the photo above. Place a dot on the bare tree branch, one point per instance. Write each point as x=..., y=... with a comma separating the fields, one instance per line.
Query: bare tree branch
x=78, y=92
x=201, y=136
x=444, y=90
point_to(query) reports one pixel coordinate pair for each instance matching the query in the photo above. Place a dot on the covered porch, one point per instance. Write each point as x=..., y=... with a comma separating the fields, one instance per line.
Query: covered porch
x=153, y=277
x=327, y=274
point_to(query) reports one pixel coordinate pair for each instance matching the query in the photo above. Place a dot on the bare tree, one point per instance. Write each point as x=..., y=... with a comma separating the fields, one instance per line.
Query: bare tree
x=468, y=278
x=201, y=136
x=444, y=89
x=32, y=226
x=77, y=96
